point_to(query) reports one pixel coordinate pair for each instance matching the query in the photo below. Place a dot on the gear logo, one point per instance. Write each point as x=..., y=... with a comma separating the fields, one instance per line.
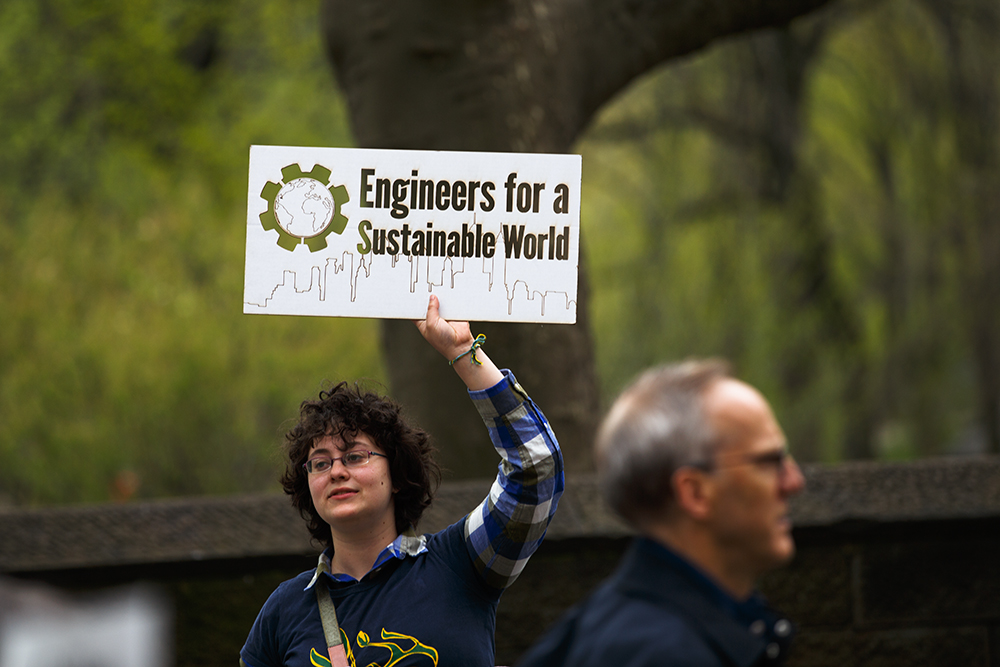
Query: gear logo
x=304, y=207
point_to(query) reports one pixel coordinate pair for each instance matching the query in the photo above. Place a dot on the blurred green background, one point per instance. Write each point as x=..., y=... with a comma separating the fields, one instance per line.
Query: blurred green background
x=816, y=204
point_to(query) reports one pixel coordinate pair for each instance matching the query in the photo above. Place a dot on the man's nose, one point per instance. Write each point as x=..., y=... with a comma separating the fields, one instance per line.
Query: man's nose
x=792, y=479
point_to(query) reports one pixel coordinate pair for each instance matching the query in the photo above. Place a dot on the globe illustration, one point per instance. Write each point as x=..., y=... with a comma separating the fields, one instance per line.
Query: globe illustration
x=304, y=207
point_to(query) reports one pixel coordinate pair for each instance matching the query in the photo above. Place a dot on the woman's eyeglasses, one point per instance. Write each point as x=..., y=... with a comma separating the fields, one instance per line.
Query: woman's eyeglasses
x=353, y=459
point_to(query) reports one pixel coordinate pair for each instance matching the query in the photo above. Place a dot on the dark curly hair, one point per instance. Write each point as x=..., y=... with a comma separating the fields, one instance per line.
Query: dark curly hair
x=347, y=410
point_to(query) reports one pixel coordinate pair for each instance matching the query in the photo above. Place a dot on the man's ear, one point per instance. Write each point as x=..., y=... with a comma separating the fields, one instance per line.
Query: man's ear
x=693, y=492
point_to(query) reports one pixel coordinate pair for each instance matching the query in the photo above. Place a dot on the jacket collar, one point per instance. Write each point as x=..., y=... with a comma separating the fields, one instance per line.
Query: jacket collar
x=652, y=572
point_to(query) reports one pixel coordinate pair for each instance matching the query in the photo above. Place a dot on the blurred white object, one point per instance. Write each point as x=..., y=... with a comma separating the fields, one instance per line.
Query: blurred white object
x=122, y=628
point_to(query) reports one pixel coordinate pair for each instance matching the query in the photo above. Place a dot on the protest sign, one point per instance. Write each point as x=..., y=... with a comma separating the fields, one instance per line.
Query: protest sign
x=371, y=233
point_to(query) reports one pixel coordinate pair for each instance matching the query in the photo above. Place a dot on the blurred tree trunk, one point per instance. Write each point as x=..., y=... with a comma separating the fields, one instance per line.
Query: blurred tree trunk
x=971, y=29
x=761, y=122
x=509, y=75
x=769, y=82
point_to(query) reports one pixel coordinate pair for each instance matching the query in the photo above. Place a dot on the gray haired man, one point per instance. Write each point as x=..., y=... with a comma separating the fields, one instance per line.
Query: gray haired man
x=695, y=461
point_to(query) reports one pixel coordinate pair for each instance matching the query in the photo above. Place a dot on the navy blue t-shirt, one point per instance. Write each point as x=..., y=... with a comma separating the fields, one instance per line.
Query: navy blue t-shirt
x=420, y=611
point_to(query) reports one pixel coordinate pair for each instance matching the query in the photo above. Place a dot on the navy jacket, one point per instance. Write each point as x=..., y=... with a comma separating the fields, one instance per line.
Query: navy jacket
x=656, y=609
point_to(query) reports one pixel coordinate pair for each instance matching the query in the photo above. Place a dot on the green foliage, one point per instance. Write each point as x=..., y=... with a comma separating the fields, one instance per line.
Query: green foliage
x=790, y=201
x=813, y=204
x=126, y=364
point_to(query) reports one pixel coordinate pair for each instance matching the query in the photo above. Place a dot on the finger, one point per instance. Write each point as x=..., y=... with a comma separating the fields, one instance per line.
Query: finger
x=430, y=319
x=422, y=324
x=433, y=309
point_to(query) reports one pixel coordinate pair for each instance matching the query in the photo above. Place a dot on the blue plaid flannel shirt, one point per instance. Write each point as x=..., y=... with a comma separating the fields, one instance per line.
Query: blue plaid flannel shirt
x=507, y=527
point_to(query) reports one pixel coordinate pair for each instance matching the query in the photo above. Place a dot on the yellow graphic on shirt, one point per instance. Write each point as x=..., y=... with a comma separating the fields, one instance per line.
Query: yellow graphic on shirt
x=319, y=660
x=393, y=641
x=396, y=651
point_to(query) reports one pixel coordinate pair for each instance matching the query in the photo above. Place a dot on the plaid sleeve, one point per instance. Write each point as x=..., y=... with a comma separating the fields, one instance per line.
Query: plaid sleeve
x=507, y=527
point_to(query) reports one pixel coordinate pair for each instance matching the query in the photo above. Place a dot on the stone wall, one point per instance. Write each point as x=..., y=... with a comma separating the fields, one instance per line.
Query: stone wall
x=898, y=564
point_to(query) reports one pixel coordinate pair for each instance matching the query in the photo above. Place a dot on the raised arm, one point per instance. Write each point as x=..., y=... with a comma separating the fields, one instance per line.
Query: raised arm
x=507, y=527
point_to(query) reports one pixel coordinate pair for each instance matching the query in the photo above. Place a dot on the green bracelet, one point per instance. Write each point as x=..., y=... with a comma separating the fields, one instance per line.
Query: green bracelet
x=480, y=339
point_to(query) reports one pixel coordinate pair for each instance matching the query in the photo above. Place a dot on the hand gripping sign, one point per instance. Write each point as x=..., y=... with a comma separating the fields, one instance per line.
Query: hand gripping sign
x=370, y=233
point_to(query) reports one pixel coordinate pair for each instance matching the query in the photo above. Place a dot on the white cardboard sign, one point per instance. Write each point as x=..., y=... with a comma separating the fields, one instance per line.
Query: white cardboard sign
x=371, y=233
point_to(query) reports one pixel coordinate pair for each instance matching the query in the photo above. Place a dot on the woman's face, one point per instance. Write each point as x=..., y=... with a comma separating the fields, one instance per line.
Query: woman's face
x=355, y=498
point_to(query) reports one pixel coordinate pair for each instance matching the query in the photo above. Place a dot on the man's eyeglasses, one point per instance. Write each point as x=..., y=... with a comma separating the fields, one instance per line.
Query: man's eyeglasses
x=352, y=459
x=774, y=460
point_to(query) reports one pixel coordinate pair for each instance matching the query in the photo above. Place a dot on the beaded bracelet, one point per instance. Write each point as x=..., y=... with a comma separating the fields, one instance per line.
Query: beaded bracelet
x=480, y=339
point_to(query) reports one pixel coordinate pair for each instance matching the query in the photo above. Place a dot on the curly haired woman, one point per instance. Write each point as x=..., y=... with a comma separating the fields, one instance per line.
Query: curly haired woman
x=361, y=477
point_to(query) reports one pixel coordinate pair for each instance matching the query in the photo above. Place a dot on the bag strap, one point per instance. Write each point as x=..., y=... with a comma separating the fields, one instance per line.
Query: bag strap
x=331, y=629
